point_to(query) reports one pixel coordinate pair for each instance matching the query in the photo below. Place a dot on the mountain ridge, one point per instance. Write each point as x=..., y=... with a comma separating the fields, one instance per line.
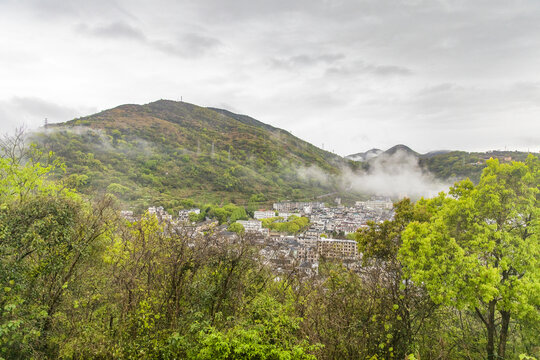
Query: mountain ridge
x=166, y=150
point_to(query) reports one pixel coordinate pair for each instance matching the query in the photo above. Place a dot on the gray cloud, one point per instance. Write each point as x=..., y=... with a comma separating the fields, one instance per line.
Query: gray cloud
x=185, y=45
x=58, y=9
x=360, y=68
x=306, y=60
x=429, y=73
x=188, y=45
x=115, y=30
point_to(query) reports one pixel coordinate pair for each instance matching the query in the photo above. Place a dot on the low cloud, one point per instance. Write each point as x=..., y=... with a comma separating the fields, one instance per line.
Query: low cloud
x=398, y=175
x=101, y=141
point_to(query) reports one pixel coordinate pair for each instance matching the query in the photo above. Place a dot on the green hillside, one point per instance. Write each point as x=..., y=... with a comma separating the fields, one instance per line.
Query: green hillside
x=458, y=165
x=445, y=165
x=166, y=151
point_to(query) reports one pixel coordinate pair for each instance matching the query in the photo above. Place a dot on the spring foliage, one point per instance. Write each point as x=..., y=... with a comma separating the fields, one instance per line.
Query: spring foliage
x=78, y=282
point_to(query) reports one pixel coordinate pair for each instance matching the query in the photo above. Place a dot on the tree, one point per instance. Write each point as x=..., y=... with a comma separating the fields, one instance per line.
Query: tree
x=403, y=304
x=480, y=250
x=237, y=228
x=270, y=331
x=238, y=214
x=48, y=238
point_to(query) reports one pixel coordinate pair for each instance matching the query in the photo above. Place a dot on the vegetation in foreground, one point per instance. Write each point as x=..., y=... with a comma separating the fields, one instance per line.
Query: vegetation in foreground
x=454, y=277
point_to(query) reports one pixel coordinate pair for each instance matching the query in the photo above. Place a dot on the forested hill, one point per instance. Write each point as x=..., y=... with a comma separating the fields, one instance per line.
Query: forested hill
x=445, y=165
x=166, y=151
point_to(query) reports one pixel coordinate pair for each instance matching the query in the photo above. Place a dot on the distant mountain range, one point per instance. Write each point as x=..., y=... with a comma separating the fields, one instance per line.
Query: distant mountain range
x=447, y=165
x=373, y=153
x=365, y=156
x=166, y=152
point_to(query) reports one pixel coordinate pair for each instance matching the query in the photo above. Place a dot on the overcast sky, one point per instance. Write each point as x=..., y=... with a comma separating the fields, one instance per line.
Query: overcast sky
x=350, y=74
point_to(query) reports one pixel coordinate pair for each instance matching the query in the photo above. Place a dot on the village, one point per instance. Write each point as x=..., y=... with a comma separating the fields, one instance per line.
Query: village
x=326, y=237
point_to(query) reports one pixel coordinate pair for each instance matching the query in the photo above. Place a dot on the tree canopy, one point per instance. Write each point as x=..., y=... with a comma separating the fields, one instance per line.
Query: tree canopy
x=480, y=249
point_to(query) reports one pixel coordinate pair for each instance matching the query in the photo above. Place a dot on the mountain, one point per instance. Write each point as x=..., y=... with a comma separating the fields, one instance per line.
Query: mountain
x=373, y=153
x=457, y=165
x=435, y=152
x=446, y=165
x=400, y=148
x=167, y=151
x=365, y=156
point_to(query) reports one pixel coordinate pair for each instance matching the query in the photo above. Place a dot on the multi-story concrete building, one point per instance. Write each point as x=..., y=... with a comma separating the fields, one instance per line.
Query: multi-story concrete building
x=287, y=215
x=337, y=249
x=251, y=225
x=264, y=214
x=376, y=204
x=347, y=226
x=290, y=206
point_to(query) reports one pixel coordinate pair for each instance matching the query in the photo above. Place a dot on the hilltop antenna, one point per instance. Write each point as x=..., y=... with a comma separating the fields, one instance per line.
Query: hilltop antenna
x=181, y=100
x=46, y=123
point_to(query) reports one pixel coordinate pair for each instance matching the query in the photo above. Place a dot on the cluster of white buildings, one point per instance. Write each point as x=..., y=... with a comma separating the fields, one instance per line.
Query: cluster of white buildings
x=302, y=206
x=343, y=220
x=268, y=214
x=304, y=251
x=325, y=238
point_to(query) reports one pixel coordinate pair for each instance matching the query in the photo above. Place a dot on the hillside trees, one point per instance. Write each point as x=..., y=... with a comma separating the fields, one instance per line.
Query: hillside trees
x=480, y=250
x=49, y=238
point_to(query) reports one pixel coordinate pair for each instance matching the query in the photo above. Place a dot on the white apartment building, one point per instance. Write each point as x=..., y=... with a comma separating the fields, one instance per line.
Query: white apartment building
x=264, y=214
x=251, y=225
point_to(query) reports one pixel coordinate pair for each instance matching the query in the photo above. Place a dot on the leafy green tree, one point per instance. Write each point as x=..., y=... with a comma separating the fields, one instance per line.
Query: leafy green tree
x=20, y=178
x=48, y=238
x=379, y=244
x=481, y=251
x=117, y=189
x=269, y=331
x=238, y=214
x=194, y=217
x=237, y=228
x=294, y=225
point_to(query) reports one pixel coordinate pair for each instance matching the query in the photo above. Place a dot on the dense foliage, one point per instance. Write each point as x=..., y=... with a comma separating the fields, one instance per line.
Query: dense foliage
x=293, y=225
x=78, y=282
x=459, y=165
x=480, y=251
